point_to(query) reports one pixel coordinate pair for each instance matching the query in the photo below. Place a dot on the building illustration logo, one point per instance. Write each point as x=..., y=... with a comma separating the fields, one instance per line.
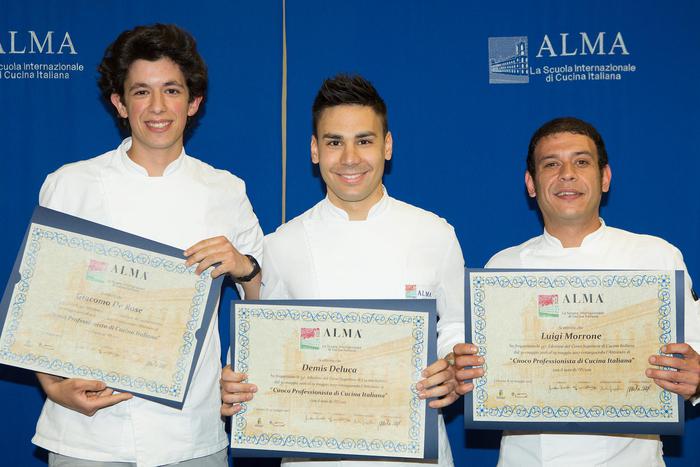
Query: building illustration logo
x=508, y=60
x=96, y=271
x=548, y=306
x=310, y=338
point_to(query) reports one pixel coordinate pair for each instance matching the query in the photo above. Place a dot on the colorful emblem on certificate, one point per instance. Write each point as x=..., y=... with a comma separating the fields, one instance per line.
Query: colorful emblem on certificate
x=335, y=378
x=568, y=350
x=87, y=301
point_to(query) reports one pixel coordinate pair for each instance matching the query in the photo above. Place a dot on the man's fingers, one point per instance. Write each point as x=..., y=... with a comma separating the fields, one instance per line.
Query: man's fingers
x=444, y=401
x=199, y=256
x=230, y=376
x=231, y=387
x=672, y=362
x=465, y=349
x=469, y=373
x=435, y=380
x=677, y=377
x=679, y=348
x=435, y=368
x=92, y=405
x=210, y=250
x=439, y=391
x=203, y=244
x=685, y=390
x=236, y=397
x=468, y=360
x=206, y=262
x=228, y=410
x=464, y=388
x=89, y=385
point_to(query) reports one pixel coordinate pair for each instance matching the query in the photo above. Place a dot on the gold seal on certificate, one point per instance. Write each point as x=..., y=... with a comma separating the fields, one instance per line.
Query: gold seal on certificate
x=333, y=380
x=107, y=306
x=568, y=350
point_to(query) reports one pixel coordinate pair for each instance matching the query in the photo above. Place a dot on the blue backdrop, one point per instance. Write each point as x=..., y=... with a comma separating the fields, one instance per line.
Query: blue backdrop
x=460, y=132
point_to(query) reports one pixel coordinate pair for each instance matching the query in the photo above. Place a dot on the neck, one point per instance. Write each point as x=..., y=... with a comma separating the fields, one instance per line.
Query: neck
x=572, y=235
x=154, y=161
x=357, y=210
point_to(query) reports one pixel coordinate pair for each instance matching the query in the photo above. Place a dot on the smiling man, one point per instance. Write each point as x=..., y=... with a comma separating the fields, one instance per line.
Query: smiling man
x=360, y=243
x=156, y=80
x=568, y=172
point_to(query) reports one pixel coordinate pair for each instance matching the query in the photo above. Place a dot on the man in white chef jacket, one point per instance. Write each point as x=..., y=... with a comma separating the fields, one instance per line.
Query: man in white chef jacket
x=359, y=242
x=567, y=172
x=156, y=80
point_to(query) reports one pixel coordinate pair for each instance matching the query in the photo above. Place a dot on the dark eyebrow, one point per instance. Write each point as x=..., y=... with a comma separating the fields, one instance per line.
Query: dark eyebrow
x=174, y=83
x=138, y=85
x=331, y=136
x=144, y=85
x=556, y=156
x=365, y=134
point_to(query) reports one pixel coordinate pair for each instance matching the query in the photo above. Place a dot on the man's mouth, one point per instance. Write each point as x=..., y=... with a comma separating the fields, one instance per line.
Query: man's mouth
x=158, y=124
x=567, y=194
x=351, y=178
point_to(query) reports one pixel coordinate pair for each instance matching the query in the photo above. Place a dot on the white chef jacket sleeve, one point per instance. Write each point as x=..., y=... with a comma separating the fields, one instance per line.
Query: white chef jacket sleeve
x=273, y=286
x=248, y=237
x=450, y=299
x=50, y=193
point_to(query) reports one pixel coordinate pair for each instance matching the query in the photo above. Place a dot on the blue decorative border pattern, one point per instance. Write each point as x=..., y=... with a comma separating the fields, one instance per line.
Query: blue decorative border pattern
x=665, y=409
x=244, y=316
x=168, y=389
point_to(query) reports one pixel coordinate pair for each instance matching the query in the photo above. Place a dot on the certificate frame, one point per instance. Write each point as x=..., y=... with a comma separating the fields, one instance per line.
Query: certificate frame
x=430, y=436
x=125, y=383
x=549, y=423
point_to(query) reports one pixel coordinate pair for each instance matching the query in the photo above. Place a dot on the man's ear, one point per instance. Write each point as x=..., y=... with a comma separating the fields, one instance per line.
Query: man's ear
x=314, y=150
x=607, y=176
x=388, y=146
x=530, y=184
x=193, y=106
x=117, y=103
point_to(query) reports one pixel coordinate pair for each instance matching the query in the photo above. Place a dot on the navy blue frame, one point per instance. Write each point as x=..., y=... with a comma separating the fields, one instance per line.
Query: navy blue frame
x=56, y=219
x=664, y=428
x=430, y=440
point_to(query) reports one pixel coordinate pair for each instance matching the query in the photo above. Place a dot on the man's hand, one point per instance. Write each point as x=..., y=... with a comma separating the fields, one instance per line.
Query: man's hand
x=234, y=391
x=439, y=383
x=686, y=380
x=466, y=363
x=218, y=250
x=82, y=395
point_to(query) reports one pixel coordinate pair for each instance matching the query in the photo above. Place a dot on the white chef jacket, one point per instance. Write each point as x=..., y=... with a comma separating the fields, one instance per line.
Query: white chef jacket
x=322, y=254
x=192, y=201
x=606, y=248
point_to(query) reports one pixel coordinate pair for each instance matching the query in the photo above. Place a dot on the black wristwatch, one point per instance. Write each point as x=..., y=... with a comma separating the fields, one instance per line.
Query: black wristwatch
x=255, y=272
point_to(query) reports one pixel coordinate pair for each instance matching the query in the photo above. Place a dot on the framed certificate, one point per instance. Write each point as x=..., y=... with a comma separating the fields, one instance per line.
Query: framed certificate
x=88, y=301
x=335, y=378
x=567, y=350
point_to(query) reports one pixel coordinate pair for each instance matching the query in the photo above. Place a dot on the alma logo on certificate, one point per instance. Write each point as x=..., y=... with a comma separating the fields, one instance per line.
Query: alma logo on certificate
x=548, y=306
x=96, y=271
x=418, y=291
x=310, y=338
x=410, y=290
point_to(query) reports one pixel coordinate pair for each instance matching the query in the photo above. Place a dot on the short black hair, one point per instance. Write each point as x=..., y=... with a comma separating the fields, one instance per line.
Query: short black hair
x=566, y=125
x=152, y=43
x=345, y=89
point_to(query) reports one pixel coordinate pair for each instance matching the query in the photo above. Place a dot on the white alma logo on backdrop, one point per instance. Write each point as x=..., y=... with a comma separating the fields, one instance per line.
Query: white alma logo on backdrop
x=509, y=63
x=30, y=42
x=31, y=55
